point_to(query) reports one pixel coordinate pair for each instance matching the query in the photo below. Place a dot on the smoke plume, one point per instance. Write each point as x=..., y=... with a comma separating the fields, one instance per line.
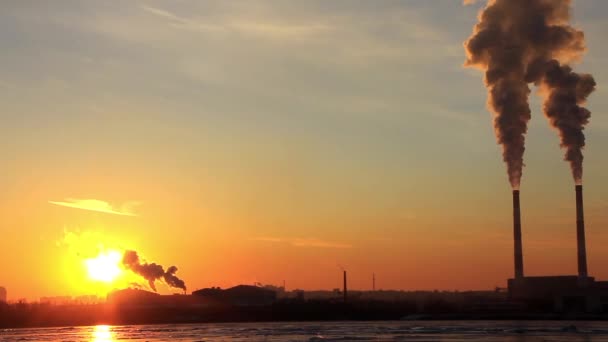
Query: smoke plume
x=152, y=272
x=518, y=42
x=172, y=280
x=564, y=92
x=136, y=285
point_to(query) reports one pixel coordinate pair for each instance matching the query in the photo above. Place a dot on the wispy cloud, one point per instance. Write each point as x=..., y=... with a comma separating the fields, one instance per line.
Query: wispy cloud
x=279, y=29
x=318, y=243
x=182, y=22
x=127, y=209
x=267, y=26
x=267, y=239
x=304, y=242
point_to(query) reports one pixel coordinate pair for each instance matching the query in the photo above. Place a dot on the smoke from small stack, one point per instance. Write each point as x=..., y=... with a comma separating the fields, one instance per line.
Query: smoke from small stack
x=517, y=42
x=173, y=280
x=152, y=272
x=136, y=285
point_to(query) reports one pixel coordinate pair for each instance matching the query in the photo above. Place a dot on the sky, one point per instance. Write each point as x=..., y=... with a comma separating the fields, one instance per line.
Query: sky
x=271, y=141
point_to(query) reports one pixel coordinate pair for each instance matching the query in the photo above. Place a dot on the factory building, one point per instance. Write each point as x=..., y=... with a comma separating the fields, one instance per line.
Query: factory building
x=563, y=293
x=241, y=295
x=3, y=294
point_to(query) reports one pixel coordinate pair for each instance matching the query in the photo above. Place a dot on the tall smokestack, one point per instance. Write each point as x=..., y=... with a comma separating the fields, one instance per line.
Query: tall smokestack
x=580, y=233
x=519, y=258
x=345, y=288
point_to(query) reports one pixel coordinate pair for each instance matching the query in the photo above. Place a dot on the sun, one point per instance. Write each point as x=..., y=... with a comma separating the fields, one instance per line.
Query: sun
x=105, y=267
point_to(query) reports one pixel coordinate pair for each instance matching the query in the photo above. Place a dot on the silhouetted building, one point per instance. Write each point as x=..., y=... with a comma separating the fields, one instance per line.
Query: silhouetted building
x=561, y=293
x=86, y=300
x=241, y=295
x=132, y=296
x=2, y=294
x=142, y=298
x=57, y=300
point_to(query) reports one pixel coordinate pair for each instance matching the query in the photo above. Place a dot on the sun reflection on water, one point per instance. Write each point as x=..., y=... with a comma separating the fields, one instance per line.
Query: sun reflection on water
x=102, y=333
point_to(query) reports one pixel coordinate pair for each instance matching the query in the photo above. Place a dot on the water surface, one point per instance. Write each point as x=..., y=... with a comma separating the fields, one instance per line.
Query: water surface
x=325, y=331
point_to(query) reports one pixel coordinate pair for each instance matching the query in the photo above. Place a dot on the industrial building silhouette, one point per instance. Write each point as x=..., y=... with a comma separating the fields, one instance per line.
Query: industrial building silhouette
x=562, y=293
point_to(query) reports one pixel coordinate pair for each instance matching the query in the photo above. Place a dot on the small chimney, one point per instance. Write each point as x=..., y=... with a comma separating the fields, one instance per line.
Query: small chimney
x=580, y=233
x=373, y=281
x=345, y=289
x=519, y=258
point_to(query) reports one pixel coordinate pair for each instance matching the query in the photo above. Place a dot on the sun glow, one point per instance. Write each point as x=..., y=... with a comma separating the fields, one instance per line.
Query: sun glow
x=105, y=267
x=102, y=333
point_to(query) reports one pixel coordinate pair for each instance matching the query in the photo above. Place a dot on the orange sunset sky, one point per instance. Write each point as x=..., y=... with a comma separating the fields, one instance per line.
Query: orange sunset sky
x=276, y=141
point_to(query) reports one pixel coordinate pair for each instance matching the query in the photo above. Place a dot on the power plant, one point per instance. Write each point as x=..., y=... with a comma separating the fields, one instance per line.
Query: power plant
x=516, y=44
x=579, y=293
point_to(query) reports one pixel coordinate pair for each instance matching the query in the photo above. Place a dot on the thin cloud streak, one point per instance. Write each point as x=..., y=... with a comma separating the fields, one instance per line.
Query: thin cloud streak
x=242, y=25
x=305, y=242
x=181, y=22
x=99, y=206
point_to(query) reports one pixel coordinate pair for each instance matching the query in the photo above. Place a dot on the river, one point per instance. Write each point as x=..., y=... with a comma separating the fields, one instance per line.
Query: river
x=325, y=331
